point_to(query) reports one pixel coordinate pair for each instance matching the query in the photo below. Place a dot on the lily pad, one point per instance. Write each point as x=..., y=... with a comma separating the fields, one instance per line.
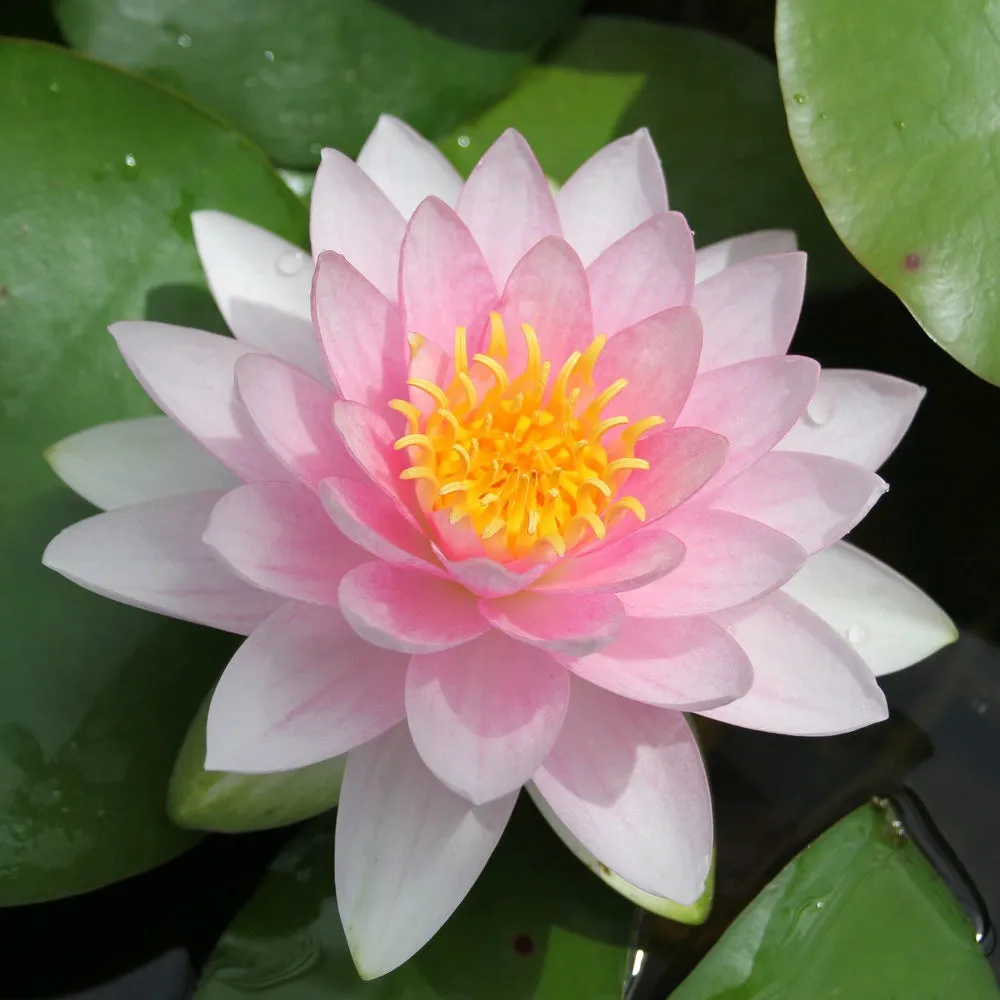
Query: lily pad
x=860, y=913
x=891, y=106
x=100, y=174
x=298, y=76
x=714, y=110
x=536, y=926
x=225, y=802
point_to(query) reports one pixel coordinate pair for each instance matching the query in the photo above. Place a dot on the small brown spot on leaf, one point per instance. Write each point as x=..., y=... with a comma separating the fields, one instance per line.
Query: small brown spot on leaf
x=912, y=261
x=605, y=870
x=4, y=292
x=523, y=944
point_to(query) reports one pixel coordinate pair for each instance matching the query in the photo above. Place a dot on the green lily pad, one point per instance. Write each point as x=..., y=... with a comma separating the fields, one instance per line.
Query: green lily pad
x=298, y=76
x=713, y=108
x=225, y=802
x=860, y=913
x=891, y=108
x=536, y=926
x=100, y=174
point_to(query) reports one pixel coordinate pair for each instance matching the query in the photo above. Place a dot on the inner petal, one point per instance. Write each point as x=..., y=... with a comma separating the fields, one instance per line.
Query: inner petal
x=526, y=457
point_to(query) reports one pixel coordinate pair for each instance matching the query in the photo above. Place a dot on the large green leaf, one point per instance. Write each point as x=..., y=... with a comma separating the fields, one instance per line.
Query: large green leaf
x=226, y=802
x=712, y=106
x=536, y=926
x=859, y=914
x=297, y=76
x=100, y=173
x=891, y=105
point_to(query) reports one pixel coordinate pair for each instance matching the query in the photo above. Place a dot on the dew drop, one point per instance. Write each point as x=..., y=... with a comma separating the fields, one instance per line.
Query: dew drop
x=799, y=98
x=820, y=409
x=463, y=141
x=856, y=634
x=316, y=148
x=291, y=263
x=54, y=87
x=823, y=116
x=184, y=41
x=129, y=160
x=900, y=124
x=268, y=55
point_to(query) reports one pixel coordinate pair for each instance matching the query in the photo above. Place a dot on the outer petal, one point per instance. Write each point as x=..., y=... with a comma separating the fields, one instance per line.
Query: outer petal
x=752, y=404
x=411, y=612
x=508, y=204
x=750, y=310
x=625, y=563
x=369, y=518
x=650, y=269
x=406, y=166
x=811, y=498
x=293, y=415
x=303, y=688
x=617, y=189
x=407, y=851
x=858, y=416
x=807, y=679
x=681, y=461
x=351, y=215
x=484, y=716
x=261, y=284
x=659, y=357
x=444, y=280
x=715, y=257
x=729, y=560
x=360, y=331
x=890, y=622
x=684, y=663
x=151, y=556
x=191, y=375
x=278, y=537
x=573, y=625
x=548, y=291
x=628, y=781
x=487, y=578
x=130, y=461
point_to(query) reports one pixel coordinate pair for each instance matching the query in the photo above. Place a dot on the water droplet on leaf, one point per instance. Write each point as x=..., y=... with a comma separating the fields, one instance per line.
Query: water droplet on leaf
x=291, y=263
x=799, y=98
x=463, y=141
x=857, y=634
x=184, y=41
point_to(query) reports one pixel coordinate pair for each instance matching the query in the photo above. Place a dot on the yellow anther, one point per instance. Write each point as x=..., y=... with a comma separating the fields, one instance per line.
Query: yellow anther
x=456, y=487
x=411, y=412
x=416, y=341
x=585, y=369
x=534, y=348
x=414, y=441
x=495, y=368
x=434, y=391
x=622, y=505
x=640, y=427
x=623, y=464
x=420, y=472
x=598, y=484
x=603, y=398
x=471, y=398
x=498, y=338
x=606, y=425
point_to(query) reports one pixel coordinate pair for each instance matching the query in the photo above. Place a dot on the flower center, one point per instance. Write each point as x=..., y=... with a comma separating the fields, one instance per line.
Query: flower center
x=527, y=459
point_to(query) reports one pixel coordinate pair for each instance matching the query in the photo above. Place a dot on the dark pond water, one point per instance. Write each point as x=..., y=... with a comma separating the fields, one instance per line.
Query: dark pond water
x=145, y=939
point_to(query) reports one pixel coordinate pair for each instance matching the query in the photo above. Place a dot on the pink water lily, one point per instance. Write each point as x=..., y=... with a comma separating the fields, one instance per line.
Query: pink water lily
x=498, y=490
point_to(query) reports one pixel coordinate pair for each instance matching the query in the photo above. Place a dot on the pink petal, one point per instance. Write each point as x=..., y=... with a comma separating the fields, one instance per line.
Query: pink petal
x=716, y=257
x=574, y=624
x=151, y=556
x=484, y=716
x=681, y=461
x=361, y=333
x=813, y=499
x=444, y=281
x=625, y=563
x=406, y=166
x=190, y=375
x=432, y=364
x=752, y=404
x=278, y=537
x=369, y=518
x=729, y=560
x=293, y=415
x=858, y=416
x=407, y=851
x=508, y=205
x=487, y=578
x=303, y=688
x=548, y=291
x=751, y=310
x=659, y=357
x=350, y=215
x=130, y=461
x=261, y=284
x=617, y=189
x=650, y=269
x=808, y=681
x=683, y=663
x=629, y=783
x=411, y=612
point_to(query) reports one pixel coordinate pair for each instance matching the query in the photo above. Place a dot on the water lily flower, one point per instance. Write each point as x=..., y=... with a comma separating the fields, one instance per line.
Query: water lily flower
x=500, y=489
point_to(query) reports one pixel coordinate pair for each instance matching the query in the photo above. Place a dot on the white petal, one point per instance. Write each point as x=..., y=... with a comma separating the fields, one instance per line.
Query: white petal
x=890, y=622
x=130, y=461
x=407, y=851
x=261, y=284
x=406, y=166
x=717, y=257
